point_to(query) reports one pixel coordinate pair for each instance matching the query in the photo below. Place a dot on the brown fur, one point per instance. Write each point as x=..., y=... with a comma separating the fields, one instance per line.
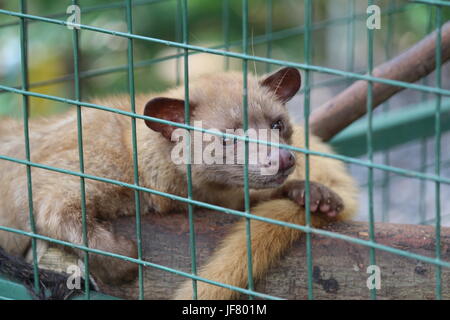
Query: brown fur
x=229, y=263
x=216, y=100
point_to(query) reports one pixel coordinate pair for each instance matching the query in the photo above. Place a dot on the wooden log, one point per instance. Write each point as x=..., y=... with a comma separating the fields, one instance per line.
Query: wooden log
x=339, y=266
x=350, y=105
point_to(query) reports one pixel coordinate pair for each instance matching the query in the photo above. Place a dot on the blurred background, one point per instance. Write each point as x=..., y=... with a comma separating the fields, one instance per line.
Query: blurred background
x=339, y=40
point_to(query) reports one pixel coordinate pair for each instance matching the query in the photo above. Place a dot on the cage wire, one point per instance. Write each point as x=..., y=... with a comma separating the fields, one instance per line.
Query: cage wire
x=242, y=47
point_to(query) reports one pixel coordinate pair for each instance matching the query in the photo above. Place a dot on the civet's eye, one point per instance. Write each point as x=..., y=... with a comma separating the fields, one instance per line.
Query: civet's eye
x=277, y=125
x=228, y=141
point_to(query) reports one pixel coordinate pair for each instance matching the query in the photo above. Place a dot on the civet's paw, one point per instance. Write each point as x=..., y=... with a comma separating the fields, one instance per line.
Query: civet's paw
x=322, y=199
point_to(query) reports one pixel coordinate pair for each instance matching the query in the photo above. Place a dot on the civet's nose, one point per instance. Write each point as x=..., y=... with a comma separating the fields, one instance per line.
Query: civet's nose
x=287, y=160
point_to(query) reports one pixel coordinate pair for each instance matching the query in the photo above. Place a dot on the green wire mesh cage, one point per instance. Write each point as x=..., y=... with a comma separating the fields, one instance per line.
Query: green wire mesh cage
x=49, y=65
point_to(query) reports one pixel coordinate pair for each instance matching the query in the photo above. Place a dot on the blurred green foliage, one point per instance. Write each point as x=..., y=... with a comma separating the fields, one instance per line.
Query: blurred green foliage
x=50, y=45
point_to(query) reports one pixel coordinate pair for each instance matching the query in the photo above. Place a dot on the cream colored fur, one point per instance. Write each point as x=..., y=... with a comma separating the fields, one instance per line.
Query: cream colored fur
x=229, y=263
x=108, y=153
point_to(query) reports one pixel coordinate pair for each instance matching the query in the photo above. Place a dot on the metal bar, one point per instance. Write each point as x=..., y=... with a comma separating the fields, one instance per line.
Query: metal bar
x=444, y=164
x=307, y=54
x=26, y=131
x=137, y=261
x=256, y=40
x=12, y=290
x=137, y=198
x=187, y=120
x=307, y=66
x=226, y=30
x=77, y=92
x=400, y=171
x=178, y=37
x=102, y=7
x=246, y=146
x=393, y=129
x=305, y=229
x=373, y=292
x=242, y=56
x=269, y=32
x=433, y=2
x=438, y=272
x=120, y=5
x=385, y=192
x=351, y=4
x=423, y=142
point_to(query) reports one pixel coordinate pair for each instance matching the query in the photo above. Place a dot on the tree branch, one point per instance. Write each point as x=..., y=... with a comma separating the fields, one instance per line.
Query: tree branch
x=340, y=267
x=350, y=104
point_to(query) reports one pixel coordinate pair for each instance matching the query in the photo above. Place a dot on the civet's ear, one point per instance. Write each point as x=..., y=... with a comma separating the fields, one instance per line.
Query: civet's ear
x=166, y=109
x=284, y=83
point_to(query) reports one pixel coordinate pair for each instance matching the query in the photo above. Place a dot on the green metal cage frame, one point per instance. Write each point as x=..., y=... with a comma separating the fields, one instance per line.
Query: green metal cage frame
x=364, y=137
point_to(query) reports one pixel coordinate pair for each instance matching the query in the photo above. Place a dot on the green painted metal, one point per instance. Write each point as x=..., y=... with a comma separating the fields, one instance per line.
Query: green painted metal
x=423, y=142
x=277, y=35
x=386, y=196
x=369, y=137
x=435, y=2
x=389, y=130
x=375, y=133
x=246, y=144
x=241, y=56
x=437, y=151
x=96, y=8
x=269, y=32
x=187, y=121
x=77, y=90
x=226, y=30
x=11, y=290
x=306, y=102
x=137, y=198
x=26, y=131
x=347, y=159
